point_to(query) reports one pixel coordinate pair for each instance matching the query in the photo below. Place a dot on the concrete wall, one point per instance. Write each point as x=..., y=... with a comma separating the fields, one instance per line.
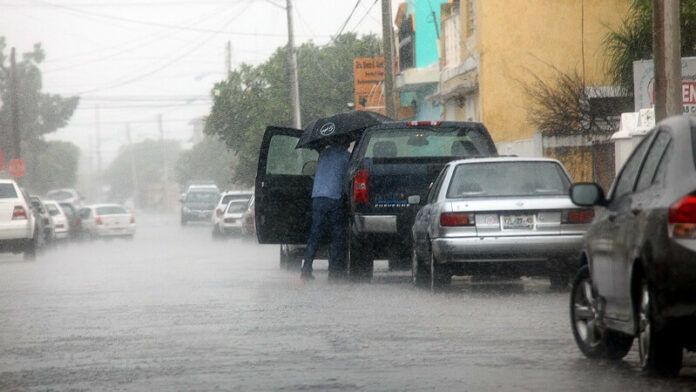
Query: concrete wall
x=518, y=39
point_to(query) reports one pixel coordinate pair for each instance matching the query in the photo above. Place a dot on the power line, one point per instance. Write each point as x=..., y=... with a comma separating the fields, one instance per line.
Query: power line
x=348, y=19
x=156, y=24
x=174, y=60
x=364, y=16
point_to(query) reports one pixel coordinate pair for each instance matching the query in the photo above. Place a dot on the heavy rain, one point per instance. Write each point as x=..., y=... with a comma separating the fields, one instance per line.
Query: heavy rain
x=245, y=195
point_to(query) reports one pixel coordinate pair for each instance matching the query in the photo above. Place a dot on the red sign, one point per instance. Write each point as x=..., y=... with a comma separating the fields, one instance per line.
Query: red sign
x=16, y=168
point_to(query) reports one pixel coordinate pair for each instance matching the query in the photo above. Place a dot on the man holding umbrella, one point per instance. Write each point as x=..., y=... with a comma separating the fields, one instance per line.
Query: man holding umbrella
x=331, y=136
x=327, y=207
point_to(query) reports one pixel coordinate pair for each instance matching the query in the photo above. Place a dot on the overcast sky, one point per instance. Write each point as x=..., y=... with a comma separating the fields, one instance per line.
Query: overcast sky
x=138, y=58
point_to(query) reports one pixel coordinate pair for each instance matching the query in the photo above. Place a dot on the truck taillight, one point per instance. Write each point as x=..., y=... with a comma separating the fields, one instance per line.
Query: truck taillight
x=361, y=190
x=19, y=213
x=681, y=218
x=577, y=216
x=98, y=220
x=132, y=219
x=457, y=219
x=423, y=123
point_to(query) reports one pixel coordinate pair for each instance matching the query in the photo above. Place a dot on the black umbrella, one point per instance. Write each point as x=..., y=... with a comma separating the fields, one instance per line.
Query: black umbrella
x=322, y=131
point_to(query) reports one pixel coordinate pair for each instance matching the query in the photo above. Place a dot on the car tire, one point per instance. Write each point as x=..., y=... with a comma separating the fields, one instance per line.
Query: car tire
x=593, y=340
x=440, y=275
x=360, y=259
x=31, y=247
x=420, y=273
x=659, y=350
x=559, y=280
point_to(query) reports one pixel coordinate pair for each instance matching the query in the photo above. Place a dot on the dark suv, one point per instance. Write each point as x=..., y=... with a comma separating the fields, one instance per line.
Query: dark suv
x=198, y=204
x=638, y=272
x=389, y=173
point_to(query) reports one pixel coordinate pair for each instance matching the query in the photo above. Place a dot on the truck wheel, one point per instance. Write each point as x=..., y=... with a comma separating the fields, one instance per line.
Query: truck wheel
x=30, y=247
x=591, y=338
x=292, y=261
x=440, y=275
x=659, y=350
x=360, y=261
x=420, y=273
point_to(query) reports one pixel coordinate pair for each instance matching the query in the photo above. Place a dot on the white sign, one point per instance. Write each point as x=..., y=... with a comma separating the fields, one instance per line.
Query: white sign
x=644, y=84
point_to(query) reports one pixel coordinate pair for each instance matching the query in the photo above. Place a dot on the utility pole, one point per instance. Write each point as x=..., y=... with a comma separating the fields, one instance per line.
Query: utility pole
x=97, y=146
x=134, y=170
x=228, y=57
x=14, y=86
x=388, y=44
x=292, y=70
x=667, y=54
x=165, y=175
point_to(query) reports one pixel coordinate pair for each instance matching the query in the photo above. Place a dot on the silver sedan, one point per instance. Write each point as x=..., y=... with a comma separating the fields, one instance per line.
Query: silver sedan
x=498, y=216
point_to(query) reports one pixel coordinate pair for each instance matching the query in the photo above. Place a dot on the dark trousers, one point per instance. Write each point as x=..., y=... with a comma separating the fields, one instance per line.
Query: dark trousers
x=327, y=218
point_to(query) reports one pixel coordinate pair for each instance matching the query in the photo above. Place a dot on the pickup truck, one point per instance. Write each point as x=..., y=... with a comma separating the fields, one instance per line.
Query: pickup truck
x=389, y=174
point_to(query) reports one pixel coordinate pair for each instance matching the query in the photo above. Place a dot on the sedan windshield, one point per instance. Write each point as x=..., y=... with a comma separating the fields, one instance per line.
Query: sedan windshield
x=52, y=209
x=511, y=178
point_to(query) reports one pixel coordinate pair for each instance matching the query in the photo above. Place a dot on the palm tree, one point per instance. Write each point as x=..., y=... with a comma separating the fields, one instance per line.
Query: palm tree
x=632, y=40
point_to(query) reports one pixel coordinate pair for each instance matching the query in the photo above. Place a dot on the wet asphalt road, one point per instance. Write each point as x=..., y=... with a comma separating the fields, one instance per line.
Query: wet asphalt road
x=173, y=310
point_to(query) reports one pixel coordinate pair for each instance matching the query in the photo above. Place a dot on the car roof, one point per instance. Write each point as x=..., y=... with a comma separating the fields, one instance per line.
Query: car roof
x=105, y=205
x=428, y=124
x=247, y=192
x=502, y=159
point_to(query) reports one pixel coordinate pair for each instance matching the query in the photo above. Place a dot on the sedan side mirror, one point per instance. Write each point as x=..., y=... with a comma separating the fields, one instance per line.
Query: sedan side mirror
x=587, y=194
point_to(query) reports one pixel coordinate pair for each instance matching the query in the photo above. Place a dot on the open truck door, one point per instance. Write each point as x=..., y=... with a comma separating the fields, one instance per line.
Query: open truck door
x=283, y=188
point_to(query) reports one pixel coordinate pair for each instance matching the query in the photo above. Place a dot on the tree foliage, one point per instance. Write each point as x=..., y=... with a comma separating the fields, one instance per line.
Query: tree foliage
x=209, y=159
x=51, y=165
x=150, y=158
x=633, y=40
x=563, y=104
x=39, y=114
x=254, y=97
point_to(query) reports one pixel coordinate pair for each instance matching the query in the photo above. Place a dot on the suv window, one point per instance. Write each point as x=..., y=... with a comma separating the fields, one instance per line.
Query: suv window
x=413, y=142
x=59, y=195
x=7, y=191
x=652, y=160
x=110, y=210
x=202, y=197
x=284, y=158
x=627, y=178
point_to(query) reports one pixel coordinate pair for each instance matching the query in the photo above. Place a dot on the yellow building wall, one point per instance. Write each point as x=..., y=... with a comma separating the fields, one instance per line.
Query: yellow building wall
x=517, y=39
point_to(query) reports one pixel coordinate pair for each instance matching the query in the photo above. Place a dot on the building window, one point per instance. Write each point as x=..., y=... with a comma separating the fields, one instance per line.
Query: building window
x=471, y=28
x=452, y=40
x=407, y=56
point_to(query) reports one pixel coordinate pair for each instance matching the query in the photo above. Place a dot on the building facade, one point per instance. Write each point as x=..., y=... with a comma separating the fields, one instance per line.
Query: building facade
x=417, y=44
x=492, y=49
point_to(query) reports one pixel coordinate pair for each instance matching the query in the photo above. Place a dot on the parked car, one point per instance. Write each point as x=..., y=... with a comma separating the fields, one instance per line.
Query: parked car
x=61, y=228
x=47, y=226
x=222, y=204
x=198, y=204
x=248, y=224
x=107, y=220
x=637, y=273
x=388, y=165
x=498, y=216
x=231, y=221
x=74, y=221
x=19, y=230
x=67, y=195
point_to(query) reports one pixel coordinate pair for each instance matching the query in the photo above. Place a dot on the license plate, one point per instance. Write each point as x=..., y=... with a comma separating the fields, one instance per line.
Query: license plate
x=518, y=222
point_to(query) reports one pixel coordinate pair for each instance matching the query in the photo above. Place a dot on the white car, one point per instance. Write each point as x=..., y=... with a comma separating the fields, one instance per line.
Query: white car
x=107, y=220
x=224, y=200
x=65, y=195
x=60, y=220
x=231, y=220
x=17, y=221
